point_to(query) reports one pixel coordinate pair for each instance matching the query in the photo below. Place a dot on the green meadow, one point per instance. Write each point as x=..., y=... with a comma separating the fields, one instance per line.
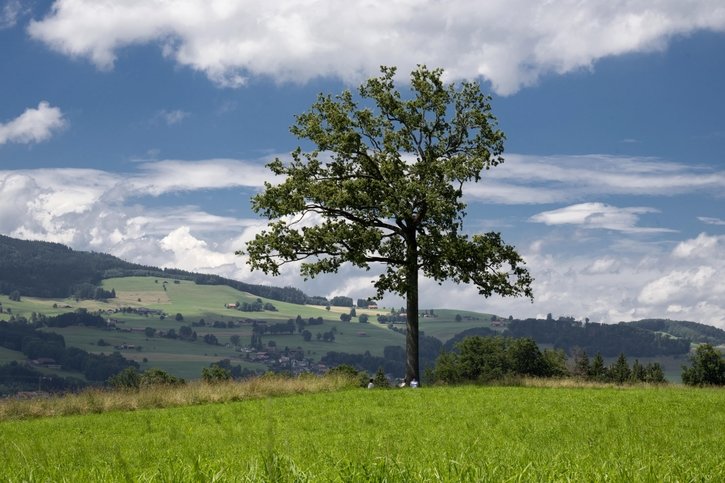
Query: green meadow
x=195, y=302
x=469, y=433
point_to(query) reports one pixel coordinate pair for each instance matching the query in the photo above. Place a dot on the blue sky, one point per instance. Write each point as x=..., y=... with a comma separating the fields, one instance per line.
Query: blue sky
x=141, y=128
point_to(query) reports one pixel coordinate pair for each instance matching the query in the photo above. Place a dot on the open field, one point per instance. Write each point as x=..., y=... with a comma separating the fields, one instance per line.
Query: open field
x=195, y=302
x=430, y=434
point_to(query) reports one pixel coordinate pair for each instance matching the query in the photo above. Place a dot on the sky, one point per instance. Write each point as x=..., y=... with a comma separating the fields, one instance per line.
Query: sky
x=141, y=128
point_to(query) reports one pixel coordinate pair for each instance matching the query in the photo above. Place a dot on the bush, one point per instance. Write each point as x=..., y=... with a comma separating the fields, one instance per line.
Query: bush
x=215, y=373
x=155, y=377
x=129, y=378
x=708, y=368
x=346, y=370
x=380, y=380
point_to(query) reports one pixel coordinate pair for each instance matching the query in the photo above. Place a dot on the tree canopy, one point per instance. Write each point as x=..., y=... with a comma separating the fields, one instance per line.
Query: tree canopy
x=384, y=184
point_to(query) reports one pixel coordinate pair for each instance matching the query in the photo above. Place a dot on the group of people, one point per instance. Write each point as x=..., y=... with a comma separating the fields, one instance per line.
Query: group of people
x=413, y=383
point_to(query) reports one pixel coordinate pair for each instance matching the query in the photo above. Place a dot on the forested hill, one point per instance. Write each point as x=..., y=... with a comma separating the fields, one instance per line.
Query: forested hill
x=684, y=329
x=651, y=337
x=52, y=270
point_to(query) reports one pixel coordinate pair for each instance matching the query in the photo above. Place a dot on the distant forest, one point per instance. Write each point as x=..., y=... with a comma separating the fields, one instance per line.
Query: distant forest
x=643, y=338
x=52, y=270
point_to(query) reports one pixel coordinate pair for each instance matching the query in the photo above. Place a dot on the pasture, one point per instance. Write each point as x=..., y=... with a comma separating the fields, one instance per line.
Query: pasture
x=430, y=434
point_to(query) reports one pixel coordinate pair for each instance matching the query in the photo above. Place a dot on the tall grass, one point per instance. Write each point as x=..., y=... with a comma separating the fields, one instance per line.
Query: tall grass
x=164, y=396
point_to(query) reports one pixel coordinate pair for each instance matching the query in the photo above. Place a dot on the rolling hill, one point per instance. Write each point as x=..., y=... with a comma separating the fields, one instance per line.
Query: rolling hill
x=181, y=321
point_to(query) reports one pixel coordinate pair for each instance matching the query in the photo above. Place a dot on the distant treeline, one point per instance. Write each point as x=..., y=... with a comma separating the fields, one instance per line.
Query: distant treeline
x=52, y=270
x=609, y=340
x=16, y=377
x=392, y=361
x=36, y=344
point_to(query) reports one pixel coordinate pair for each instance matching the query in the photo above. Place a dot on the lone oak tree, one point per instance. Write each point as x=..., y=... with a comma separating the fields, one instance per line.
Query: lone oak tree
x=385, y=185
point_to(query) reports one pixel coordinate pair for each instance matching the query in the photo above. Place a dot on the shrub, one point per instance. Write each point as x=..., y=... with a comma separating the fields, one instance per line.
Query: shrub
x=129, y=378
x=708, y=368
x=215, y=373
x=154, y=377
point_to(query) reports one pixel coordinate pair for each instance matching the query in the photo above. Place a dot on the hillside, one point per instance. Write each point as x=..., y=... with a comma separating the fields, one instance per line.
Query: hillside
x=51, y=270
x=182, y=322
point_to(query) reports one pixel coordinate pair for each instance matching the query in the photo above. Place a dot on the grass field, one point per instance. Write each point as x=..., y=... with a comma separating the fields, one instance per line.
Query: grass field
x=431, y=434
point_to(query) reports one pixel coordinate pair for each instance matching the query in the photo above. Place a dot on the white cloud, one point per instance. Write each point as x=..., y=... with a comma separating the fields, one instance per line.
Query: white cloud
x=598, y=215
x=103, y=211
x=32, y=126
x=616, y=286
x=172, y=117
x=172, y=175
x=710, y=220
x=703, y=247
x=512, y=43
x=10, y=13
x=525, y=179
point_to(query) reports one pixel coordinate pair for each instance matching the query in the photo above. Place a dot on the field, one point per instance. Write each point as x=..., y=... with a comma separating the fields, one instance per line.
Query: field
x=429, y=434
x=195, y=302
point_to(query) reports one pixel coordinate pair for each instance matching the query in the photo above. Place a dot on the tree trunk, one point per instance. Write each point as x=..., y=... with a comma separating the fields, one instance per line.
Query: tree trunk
x=412, y=369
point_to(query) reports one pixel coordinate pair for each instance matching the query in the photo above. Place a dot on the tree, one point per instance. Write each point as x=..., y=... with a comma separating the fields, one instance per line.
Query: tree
x=620, y=372
x=385, y=185
x=179, y=317
x=708, y=367
x=598, y=371
x=380, y=379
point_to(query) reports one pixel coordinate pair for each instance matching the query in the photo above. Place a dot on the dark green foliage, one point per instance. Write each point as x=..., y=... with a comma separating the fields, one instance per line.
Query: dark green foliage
x=707, y=367
x=487, y=359
x=80, y=317
x=211, y=339
x=598, y=371
x=215, y=373
x=236, y=371
x=380, y=380
x=88, y=291
x=607, y=339
x=361, y=377
x=155, y=377
x=129, y=378
x=16, y=377
x=555, y=362
x=362, y=318
x=699, y=333
x=479, y=331
x=620, y=372
x=52, y=270
x=341, y=301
